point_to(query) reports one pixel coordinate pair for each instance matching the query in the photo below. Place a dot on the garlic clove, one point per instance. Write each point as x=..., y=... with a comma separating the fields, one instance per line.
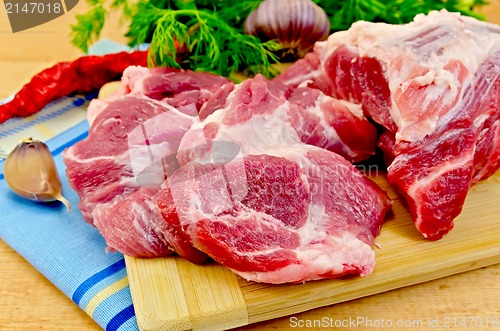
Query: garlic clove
x=30, y=172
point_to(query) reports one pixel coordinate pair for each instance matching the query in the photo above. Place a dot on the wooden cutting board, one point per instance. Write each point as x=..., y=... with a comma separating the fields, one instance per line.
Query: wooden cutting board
x=173, y=294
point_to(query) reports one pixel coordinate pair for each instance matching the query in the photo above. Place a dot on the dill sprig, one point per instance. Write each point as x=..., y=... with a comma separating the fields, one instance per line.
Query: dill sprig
x=89, y=26
x=199, y=40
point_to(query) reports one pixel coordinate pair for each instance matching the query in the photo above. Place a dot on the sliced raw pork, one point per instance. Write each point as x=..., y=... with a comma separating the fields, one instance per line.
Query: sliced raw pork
x=130, y=150
x=259, y=111
x=261, y=202
x=434, y=85
x=175, y=87
x=289, y=215
x=241, y=186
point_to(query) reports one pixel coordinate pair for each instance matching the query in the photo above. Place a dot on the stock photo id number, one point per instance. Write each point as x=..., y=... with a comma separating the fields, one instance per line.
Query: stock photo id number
x=24, y=14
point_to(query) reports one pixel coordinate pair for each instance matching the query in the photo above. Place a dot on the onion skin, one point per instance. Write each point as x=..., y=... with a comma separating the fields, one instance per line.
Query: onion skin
x=296, y=24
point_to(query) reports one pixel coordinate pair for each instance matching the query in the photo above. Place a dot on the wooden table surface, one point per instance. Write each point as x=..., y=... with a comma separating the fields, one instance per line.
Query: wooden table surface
x=28, y=301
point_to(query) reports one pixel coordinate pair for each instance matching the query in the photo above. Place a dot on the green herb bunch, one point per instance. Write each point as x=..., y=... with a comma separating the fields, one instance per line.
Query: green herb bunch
x=207, y=35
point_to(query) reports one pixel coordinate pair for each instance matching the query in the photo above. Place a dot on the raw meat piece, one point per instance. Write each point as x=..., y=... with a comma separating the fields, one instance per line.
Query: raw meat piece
x=176, y=87
x=129, y=226
x=258, y=108
x=434, y=86
x=336, y=125
x=112, y=160
x=108, y=167
x=261, y=202
x=293, y=214
x=131, y=148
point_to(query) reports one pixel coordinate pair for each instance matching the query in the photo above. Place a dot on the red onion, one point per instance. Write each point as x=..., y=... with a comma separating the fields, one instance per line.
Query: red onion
x=295, y=24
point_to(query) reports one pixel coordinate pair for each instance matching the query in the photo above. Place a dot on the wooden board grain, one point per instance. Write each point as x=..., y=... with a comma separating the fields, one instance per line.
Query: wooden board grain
x=172, y=294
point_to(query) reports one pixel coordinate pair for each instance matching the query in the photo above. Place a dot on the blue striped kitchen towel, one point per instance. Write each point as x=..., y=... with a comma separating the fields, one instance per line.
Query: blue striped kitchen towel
x=69, y=252
x=66, y=250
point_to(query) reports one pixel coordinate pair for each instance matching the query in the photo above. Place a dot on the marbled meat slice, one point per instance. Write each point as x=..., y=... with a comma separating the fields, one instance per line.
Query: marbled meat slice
x=260, y=114
x=261, y=202
x=178, y=88
x=289, y=215
x=434, y=86
x=130, y=150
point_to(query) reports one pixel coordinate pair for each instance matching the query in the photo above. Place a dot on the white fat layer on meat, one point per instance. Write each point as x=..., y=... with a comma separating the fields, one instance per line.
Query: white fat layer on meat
x=154, y=212
x=479, y=121
x=445, y=85
x=110, y=122
x=453, y=34
x=142, y=224
x=70, y=154
x=345, y=251
x=272, y=131
x=195, y=212
x=298, y=154
x=371, y=37
x=355, y=109
x=262, y=132
x=197, y=208
x=455, y=111
x=100, y=208
x=312, y=229
x=304, y=79
x=423, y=184
x=328, y=130
x=439, y=83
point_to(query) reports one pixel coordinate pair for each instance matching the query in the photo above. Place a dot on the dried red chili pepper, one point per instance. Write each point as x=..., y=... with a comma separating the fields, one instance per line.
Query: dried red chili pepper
x=84, y=75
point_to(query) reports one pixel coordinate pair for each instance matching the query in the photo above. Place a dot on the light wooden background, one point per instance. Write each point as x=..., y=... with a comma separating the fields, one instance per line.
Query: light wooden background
x=28, y=301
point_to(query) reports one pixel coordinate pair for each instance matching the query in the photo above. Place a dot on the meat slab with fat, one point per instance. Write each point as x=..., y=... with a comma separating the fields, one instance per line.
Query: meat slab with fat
x=434, y=86
x=130, y=150
x=289, y=215
x=173, y=164
x=260, y=201
x=172, y=86
x=259, y=112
